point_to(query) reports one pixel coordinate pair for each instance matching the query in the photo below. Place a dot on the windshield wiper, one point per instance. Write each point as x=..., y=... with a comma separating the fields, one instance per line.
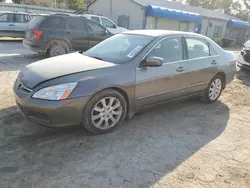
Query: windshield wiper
x=84, y=53
x=96, y=57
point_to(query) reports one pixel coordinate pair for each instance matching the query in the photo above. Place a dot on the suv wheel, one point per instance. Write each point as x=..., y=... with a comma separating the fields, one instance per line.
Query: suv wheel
x=57, y=50
x=104, y=112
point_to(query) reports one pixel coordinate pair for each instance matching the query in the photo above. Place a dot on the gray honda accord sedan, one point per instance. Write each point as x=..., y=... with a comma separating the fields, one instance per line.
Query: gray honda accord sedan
x=120, y=76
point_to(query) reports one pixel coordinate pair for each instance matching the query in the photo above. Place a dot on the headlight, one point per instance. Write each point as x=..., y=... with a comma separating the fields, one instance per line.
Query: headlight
x=56, y=92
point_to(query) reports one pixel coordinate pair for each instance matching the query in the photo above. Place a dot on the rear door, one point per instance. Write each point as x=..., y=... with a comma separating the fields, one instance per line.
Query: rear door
x=21, y=21
x=76, y=33
x=202, y=63
x=96, y=33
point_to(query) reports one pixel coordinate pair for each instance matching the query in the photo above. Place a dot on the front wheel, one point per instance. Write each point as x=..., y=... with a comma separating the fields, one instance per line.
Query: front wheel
x=104, y=112
x=214, y=90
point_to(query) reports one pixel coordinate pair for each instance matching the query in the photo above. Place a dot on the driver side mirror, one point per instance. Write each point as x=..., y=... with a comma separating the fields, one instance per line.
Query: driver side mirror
x=114, y=26
x=152, y=62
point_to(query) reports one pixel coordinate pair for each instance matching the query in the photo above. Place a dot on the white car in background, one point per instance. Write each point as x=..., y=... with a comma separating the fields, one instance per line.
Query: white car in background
x=244, y=57
x=13, y=24
x=106, y=22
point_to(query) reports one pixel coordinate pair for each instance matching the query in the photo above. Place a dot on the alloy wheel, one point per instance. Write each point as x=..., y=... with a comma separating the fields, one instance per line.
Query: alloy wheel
x=215, y=89
x=106, y=113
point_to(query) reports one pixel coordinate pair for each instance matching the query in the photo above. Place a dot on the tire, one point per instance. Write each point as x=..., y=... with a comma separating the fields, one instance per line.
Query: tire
x=214, y=89
x=95, y=120
x=57, y=50
x=43, y=54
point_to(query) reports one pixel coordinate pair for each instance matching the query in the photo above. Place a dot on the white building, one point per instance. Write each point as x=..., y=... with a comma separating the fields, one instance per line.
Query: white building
x=162, y=14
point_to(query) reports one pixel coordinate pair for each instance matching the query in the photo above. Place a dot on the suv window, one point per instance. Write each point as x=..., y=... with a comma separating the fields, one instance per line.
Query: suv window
x=51, y=22
x=22, y=18
x=34, y=21
x=107, y=23
x=76, y=24
x=7, y=18
x=169, y=49
x=94, y=27
x=95, y=18
x=197, y=48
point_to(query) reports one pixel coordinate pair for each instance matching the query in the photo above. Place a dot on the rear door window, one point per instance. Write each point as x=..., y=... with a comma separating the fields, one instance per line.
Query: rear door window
x=212, y=50
x=197, y=48
x=7, y=18
x=51, y=22
x=76, y=24
x=22, y=18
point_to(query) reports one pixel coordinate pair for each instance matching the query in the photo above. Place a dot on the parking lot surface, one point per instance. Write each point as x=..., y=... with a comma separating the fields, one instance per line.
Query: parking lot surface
x=184, y=144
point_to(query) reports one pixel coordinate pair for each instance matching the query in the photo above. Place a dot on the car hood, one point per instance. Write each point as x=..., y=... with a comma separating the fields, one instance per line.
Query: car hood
x=54, y=67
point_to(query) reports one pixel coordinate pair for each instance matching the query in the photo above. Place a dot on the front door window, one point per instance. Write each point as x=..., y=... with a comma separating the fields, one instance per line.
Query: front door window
x=169, y=49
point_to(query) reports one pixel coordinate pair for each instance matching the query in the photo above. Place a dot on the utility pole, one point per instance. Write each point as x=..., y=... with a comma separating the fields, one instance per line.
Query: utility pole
x=55, y=3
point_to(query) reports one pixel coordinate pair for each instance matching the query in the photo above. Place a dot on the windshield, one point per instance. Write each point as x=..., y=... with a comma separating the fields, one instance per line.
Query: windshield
x=120, y=48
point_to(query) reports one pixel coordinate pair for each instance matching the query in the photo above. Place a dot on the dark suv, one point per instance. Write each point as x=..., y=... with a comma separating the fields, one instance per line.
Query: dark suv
x=59, y=34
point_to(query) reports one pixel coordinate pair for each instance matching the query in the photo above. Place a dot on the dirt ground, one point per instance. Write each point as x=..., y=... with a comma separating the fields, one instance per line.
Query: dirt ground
x=185, y=144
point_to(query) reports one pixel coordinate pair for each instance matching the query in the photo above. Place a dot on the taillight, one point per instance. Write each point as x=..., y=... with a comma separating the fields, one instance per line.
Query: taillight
x=37, y=34
x=235, y=62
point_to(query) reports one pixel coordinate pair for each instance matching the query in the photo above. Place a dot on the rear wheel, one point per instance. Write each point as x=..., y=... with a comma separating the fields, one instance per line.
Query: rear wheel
x=214, y=89
x=57, y=50
x=104, y=112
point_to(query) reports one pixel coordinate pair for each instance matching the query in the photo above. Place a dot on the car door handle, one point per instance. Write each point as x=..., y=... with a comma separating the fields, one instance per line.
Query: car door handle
x=11, y=24
x=180, y=69
x=214, y=62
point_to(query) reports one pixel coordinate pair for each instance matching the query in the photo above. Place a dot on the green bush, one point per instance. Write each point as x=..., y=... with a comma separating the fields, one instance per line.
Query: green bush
x=219, y=41
x=223, y=42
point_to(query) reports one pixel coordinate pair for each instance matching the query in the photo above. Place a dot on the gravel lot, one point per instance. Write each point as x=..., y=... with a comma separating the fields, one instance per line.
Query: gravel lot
x=187, y=144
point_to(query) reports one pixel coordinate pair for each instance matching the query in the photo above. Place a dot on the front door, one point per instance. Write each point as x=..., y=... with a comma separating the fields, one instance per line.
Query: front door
x=158, y=84
x=202, y=63
x=96, y=33
x=109, y=25
x=76, y=33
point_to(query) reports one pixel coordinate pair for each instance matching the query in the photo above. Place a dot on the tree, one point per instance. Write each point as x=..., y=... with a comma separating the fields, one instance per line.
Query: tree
x=75, y=4
x=16, y=1
x=240, y=9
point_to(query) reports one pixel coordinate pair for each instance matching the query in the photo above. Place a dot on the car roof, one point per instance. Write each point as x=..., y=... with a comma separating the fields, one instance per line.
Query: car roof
x=156, y=33
x=97, y=15
x=15, y=12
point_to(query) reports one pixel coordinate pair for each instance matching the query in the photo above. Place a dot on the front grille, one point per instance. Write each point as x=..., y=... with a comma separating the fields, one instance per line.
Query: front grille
x=23, y=88
x=246, y=55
